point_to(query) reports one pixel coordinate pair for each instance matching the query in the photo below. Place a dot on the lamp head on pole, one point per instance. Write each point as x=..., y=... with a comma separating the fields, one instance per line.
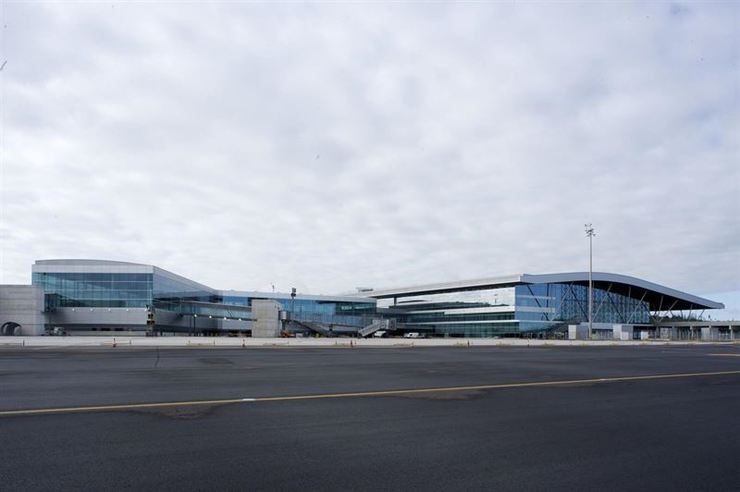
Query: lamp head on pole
x=589, y=230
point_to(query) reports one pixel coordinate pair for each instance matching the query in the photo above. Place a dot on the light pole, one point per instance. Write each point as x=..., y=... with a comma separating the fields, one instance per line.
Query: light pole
x=590, y=234
x=292, y=300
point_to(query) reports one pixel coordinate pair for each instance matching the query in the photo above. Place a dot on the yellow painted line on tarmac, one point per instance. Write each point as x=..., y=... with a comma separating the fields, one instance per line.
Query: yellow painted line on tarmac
x=123, y=406
x=495, y=386
x=358, y=394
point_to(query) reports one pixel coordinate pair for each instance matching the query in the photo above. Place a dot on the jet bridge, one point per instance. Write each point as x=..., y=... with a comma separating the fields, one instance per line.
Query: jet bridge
x=206, y=309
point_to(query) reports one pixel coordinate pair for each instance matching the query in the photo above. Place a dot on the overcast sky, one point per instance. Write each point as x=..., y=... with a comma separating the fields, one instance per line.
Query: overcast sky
x=329, y=146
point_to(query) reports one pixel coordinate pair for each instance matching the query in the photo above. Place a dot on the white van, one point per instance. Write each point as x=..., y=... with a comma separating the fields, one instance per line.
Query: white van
x=412, y=334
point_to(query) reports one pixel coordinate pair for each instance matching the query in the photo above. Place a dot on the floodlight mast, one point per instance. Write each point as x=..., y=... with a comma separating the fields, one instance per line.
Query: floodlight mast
x=590, y=234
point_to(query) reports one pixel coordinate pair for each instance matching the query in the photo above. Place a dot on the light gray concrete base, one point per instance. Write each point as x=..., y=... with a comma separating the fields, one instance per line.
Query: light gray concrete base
x=266, y=322
x=709, y=333
x=623, y=332
x=235, y=342
x=577, y=332
x=23, y=304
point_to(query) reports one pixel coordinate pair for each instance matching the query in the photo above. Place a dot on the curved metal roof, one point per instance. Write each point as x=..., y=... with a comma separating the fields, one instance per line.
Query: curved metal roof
x=660, y=298
x=285, y=296
x=84, y=261
x=109, y=266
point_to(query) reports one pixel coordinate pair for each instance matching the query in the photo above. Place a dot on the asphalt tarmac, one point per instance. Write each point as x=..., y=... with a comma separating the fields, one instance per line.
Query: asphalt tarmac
x=504, y=418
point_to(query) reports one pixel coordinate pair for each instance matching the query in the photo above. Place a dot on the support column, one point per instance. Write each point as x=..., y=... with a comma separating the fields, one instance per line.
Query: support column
x=266, y=322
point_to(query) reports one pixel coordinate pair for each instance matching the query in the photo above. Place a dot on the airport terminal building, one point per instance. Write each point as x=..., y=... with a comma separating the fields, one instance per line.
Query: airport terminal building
x=109, y=297
x=526, y=304
x=100, y=296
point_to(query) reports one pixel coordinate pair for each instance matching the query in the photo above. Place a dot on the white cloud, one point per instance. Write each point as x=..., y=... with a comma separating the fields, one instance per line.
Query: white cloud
x=329, y=146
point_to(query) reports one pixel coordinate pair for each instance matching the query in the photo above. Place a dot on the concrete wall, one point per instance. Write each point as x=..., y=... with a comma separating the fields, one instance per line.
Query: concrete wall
x=266, y=316
x=577, y=332
x=234, y=325
x=23, y=304
x=344, y=343
x=622, y=332
x=710, y=333
x=128, y=319
x=87, y=318
x=169, y=321
x=601, y=331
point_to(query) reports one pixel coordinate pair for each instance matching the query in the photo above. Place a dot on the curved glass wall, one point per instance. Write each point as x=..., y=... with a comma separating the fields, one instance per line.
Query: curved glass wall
x=177, y=295
x=350, y=313
x=138, y=290
x=96, y=289
x=512, y=310
x=465, y=313
x=539, y=306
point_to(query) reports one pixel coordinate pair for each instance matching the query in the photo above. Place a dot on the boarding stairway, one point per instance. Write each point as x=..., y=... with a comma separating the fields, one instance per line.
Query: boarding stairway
x=377, y=324
x=315, y=327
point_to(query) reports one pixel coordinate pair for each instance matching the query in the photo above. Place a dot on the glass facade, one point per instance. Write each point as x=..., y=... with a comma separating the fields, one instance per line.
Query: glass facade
x=119, y=290
x=465, y=313
x=327, y=311
x=511, y=310
x=171, y=294
x=470, y=312
x=96, y=289
x=168, y=288
x=539, y=306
